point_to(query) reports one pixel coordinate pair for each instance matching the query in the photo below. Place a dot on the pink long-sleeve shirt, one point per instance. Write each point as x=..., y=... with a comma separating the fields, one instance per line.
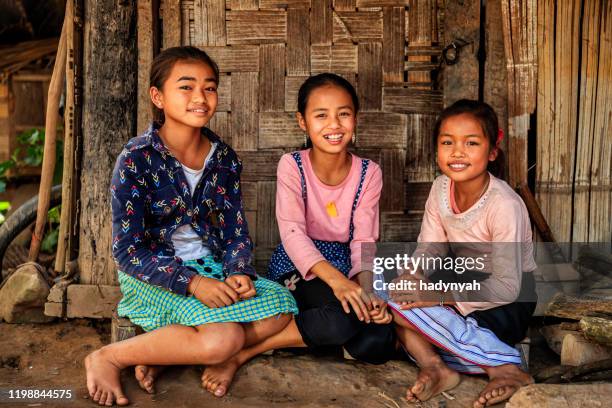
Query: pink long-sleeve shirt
x=300, y=223
x=500, y=218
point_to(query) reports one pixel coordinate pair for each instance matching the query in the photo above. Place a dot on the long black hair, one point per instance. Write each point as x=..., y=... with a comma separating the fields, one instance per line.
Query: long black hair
x=162, y=66
x=487, y=118
x=318, y=81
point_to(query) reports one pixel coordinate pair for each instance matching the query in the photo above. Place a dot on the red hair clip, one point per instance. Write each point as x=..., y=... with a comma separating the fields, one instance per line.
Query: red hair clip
x=500, y=137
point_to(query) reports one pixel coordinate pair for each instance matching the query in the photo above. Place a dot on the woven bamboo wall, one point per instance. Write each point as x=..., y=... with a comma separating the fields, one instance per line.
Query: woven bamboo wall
x=265, y=49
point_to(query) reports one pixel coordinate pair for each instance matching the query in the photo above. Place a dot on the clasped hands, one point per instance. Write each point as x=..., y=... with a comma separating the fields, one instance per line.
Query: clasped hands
x=215, y=293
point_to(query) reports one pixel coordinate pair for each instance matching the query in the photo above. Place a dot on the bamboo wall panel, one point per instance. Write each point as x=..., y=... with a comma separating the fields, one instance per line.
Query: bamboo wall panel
x=557, y=136
x=573, y=121
x=266, y=49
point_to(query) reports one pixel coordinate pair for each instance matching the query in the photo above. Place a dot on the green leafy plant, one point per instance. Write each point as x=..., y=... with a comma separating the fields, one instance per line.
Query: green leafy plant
x=29, y=153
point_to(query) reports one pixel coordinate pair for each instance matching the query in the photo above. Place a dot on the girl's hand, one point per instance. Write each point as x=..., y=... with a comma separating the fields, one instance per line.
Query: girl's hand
x=212, y=292
x=350, y=293
x=243, y=285
x=379, y=313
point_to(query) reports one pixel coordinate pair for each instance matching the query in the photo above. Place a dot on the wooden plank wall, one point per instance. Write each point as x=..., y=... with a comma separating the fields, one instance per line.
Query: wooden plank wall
x=574, y=145
x=266, y=48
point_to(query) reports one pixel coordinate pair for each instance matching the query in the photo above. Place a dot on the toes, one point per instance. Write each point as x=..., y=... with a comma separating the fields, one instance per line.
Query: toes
x=102, y=399
x=418, y=387
x=139, y=372
x=109, y=399
x=220, y=391
x=97, y=395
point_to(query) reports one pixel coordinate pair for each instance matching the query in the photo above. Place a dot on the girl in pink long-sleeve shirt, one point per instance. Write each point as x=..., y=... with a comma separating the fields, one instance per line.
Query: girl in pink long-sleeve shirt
x=472, y=213
x=327, y=207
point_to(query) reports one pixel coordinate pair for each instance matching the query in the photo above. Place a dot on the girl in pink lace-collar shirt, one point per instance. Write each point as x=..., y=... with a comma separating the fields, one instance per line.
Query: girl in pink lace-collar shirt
x=470, y=212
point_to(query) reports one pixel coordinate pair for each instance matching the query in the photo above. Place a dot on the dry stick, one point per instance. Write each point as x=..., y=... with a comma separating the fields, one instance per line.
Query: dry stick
x=602, y=365
x=48, y=165
x=540, y=222
x=65, y=222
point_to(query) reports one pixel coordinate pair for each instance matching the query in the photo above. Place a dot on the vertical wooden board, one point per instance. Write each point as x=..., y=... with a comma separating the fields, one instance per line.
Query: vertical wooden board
x=292, y=86
x=172, y=24
x=245, y=90
x=220, y=123
x=298, y=47
x=586, y=146
x=420, y=156
x=462, y=21
x=187, y=31
x=601, y=166
x=5, y=122
x=279, y=130
x=216, y=23
x=251, y=217
x=392, y=163
x=256, y=27
x=393, y=44
x=249, y=195
x=370, y=76
x=267, y=227
x=496, y=75
x=321, y=22
x=320, y=59
x=224, y=93
x=382, y=130
x=272, y=78
x=29, y=105
x=200, y=23
x=243, y=4
x=145, y=35
x=357, y=26
x=545, y=113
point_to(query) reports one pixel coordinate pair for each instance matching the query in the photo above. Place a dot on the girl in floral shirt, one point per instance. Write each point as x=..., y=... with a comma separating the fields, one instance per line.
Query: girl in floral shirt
x=181, y=241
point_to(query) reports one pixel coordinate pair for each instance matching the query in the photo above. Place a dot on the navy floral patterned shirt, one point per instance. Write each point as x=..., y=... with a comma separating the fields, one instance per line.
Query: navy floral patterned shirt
x=151, y=199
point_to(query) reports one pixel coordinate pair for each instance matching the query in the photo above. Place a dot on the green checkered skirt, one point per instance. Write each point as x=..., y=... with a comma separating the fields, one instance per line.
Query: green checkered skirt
x=152, y=307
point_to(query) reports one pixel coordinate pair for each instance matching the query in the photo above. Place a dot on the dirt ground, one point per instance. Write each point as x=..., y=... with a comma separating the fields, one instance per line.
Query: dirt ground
x=51, y=356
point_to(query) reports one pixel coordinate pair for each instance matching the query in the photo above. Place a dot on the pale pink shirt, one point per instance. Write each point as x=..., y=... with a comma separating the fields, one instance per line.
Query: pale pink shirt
x=499, y=216
x=299, y=224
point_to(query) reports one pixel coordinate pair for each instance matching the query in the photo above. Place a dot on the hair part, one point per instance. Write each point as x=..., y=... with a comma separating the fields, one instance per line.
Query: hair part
x=164, y=62
x=484, y=114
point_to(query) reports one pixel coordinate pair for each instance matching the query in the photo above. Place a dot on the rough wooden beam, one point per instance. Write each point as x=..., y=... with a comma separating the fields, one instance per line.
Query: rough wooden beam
x=94, y=301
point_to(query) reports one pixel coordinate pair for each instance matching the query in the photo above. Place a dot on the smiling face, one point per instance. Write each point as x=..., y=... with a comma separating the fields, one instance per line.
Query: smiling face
x=189, y=95
x=464, y=151
x=329, y=119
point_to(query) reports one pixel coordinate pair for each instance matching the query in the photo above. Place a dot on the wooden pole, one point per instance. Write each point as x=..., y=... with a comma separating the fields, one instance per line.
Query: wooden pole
x=46, y=180
x=67, y=173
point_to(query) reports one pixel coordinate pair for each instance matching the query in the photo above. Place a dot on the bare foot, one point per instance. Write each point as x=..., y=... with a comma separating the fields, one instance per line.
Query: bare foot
x=431, y=381
x=504, y=381
x=146, y=376
x=103, y=379
x=216, y=379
